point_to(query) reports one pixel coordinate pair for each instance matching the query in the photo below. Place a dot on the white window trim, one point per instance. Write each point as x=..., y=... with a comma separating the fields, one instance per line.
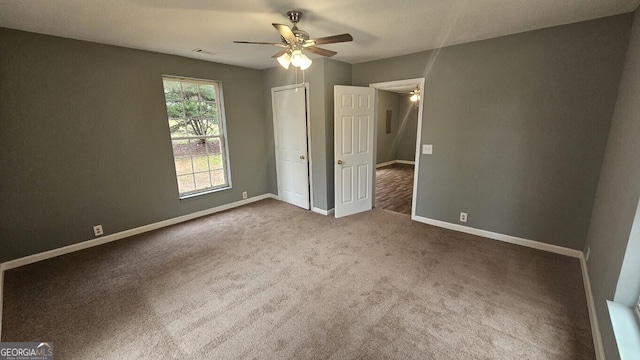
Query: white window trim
x=224, y=138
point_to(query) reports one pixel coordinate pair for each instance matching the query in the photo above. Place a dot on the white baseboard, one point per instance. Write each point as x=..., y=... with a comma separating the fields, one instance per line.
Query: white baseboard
x=127, y=233
x=387, y=163
x=323, y=212
x=593, y=315
x=12, y=264
x=407, y=162
x=501, y=237
x=597, y=338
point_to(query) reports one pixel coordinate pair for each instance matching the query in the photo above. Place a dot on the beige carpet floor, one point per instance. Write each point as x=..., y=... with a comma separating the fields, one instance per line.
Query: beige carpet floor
x=271, y=281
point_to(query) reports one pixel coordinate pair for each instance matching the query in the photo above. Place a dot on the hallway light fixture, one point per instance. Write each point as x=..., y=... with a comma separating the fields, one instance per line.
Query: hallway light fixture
x=415, y=95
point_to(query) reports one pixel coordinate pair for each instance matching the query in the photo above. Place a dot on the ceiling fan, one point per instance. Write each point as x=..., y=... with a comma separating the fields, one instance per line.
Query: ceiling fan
x=295, y=40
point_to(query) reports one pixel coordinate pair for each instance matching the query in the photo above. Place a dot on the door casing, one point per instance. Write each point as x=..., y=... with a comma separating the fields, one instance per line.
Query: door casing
x=404, y=84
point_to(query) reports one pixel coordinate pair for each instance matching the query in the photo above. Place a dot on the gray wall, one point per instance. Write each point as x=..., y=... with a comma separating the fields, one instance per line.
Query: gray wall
x=408, y=129
x=610, y=234
x=519, y=126
x=85, y=139
x=322, y=76
x=387, y=144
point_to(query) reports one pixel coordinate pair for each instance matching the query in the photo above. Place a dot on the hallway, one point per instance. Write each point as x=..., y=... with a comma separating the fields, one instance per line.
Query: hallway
x=394, y=188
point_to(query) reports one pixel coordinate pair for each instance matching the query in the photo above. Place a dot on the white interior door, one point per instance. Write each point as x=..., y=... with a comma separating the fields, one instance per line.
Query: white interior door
x=290, y=130
x=354, y=148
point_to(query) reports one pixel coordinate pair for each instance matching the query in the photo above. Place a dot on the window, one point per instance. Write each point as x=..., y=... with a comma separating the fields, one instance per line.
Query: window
x=196, y=122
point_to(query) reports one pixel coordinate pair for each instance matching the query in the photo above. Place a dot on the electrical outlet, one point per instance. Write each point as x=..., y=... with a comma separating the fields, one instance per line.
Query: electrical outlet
x=97, y=230
x=427, y=149
x=244, y=194
x=586, y=257
x=463, y=217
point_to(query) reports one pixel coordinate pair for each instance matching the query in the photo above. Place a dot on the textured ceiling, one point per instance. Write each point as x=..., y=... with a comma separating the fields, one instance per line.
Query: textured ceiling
x=381, y=28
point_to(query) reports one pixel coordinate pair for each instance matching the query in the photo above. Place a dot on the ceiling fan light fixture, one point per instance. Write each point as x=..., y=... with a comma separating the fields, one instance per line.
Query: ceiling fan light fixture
x=306, y=62
x=297, y=57
x=284, y=60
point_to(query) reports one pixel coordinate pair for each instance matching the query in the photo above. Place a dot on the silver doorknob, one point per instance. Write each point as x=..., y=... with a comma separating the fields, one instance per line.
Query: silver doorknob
x=340, y=162
x=301, y=157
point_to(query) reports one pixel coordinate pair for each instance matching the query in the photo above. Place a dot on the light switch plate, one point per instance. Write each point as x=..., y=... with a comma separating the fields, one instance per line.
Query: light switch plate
x=427, y=149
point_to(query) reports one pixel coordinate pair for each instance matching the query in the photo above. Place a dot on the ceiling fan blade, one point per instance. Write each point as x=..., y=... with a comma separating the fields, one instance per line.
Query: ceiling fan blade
x=286, y=33
x=258, y=43
x=332, y=39
x=280, y=53
x=321, y=51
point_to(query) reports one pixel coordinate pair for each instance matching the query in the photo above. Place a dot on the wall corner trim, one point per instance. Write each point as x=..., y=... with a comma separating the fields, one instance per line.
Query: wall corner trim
x=593, y=315
x=323, y=212
x=30, y=259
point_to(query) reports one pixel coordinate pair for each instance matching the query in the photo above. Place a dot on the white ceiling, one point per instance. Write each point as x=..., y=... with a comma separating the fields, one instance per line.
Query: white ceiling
x=380, y=28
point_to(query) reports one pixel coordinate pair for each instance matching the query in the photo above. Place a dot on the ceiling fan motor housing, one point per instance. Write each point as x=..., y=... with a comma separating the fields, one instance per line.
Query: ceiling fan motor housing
x=294, y=16
x=300, y=34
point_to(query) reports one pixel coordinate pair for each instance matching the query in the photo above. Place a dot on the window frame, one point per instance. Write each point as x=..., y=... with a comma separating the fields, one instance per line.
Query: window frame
x=222, y=124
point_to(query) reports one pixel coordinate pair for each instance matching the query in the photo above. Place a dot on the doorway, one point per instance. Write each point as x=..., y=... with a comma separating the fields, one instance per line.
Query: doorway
x=397, y=145
x=291, y=136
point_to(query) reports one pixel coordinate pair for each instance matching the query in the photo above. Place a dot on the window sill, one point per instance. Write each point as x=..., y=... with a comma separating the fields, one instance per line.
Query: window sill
x=191, y=196
x=626, y=330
